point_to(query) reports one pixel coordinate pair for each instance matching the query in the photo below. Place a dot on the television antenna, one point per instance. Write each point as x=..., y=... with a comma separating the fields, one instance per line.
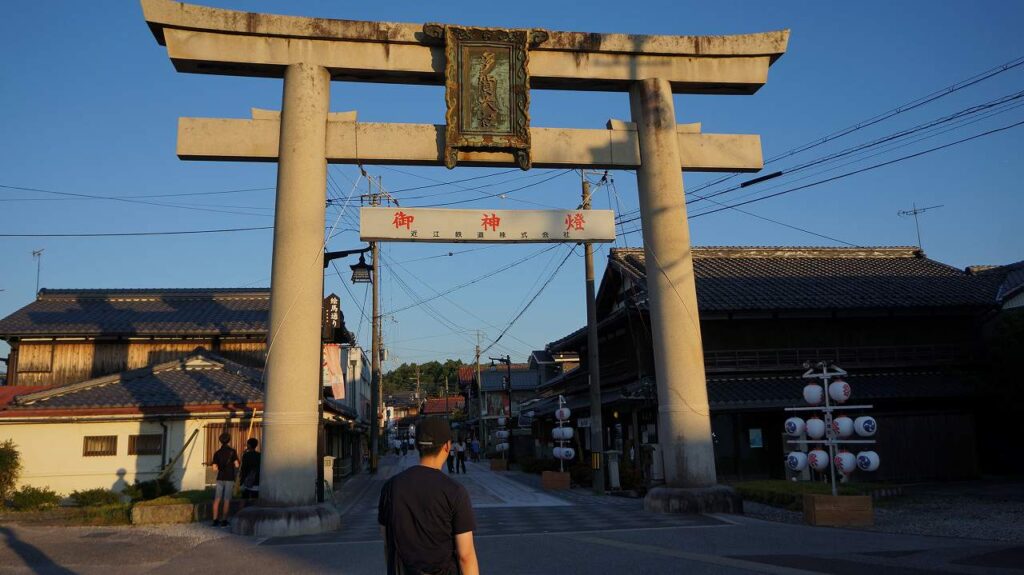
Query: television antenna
x=914, y=212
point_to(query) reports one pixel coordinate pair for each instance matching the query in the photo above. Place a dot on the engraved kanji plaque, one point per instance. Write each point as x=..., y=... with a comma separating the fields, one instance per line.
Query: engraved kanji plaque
x=487, y=90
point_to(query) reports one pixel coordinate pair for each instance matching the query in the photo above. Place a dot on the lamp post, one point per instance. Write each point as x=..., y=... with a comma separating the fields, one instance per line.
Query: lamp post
x=507, y=360
x=321, y=440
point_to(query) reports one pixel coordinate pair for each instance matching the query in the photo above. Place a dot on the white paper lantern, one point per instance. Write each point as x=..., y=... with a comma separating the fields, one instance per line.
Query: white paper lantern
x=501, y=434
x=562, y=413
x=814, y=394
x=818, y=459
x=501, y=422
x=796, y=460
x=839, y=391
x=501, y=447
x=562, y=433
x=564, y=453
x=795, y=426
x=842, y=426
x=815, y=428
x=867, y=461
x=845, y=462
x=865, y=426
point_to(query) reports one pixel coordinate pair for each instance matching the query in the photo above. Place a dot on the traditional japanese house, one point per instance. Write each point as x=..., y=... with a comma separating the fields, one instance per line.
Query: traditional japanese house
x=904, y=326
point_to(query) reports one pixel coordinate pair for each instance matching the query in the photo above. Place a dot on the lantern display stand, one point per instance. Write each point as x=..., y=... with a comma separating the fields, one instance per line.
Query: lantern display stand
x=502, y=435
x=833, y=431
x=554, y=480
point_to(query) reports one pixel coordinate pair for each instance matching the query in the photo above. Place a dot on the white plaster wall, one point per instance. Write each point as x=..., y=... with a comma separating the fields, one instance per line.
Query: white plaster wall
x=51, y=454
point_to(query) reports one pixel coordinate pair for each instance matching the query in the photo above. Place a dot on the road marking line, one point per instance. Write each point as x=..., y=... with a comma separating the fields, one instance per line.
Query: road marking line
x=698, y=557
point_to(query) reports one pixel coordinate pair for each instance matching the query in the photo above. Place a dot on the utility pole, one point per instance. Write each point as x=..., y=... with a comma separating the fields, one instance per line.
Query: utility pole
x=375, y=382
x=480, y=392
x=914, y=212
x=593, y=360
x=447, y=415
x=38, y=256
x=418, y=382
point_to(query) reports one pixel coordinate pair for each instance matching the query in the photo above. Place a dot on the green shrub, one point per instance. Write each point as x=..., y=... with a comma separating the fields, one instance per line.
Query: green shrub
x=790, y=494
x=94, y=497
x=30, y=498
x=629, y=476
x=114, y=514
x=192, y=496
x=10, y=469
x=144, y=490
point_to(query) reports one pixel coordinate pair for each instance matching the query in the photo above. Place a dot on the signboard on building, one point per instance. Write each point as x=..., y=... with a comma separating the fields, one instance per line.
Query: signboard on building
x=485, y=226
x=332, y=320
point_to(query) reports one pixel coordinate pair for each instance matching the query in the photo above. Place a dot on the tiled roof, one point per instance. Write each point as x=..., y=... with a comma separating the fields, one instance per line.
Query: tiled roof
x=788, y=391
x=522, y=378
x=9, y=392
x=201, y=379
x=778, y=392
x=435, y=405
x=163, y=312
x=779, y=278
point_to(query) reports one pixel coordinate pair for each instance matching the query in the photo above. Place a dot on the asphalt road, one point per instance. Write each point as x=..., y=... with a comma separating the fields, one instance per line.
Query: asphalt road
x=521, y=531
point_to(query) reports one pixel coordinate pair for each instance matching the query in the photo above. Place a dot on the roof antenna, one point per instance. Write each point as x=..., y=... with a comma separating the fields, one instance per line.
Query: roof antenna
x=914, y=212
x=38, y=256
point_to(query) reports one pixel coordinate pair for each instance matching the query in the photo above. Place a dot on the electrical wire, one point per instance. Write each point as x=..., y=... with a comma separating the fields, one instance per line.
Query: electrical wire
x=124, y=234
x=533, y=299
x=906, y=107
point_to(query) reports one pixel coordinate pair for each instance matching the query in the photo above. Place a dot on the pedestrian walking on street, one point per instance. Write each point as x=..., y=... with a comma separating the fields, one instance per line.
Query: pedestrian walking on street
x=451, y=458
x=475, y=447
x=225, y=460
x=460, y=456
x=250, y=470
x=426, y=517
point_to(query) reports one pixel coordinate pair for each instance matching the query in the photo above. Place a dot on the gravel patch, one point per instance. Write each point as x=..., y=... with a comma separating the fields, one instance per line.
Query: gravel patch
x=988, y=514
x=193, y=533
x=953, y=516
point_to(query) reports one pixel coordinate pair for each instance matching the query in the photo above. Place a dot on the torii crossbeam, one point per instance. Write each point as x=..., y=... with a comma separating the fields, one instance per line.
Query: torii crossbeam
x=309, y=53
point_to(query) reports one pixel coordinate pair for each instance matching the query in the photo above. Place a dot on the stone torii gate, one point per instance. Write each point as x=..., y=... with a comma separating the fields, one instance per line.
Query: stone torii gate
x=309, y=53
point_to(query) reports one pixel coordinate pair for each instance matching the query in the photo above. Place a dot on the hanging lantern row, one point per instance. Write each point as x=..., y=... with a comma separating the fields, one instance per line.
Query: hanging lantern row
x=832, y=433
x=502, y=434
x=562, y=434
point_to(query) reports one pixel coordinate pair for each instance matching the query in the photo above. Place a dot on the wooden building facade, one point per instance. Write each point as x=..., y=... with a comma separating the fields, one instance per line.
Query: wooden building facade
x=906, y=327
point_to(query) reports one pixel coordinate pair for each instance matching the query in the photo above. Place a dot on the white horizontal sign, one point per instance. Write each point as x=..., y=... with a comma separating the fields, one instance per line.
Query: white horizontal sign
x=398, y=224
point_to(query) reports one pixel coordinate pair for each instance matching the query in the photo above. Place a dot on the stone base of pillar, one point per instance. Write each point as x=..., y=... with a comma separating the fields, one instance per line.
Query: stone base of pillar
x=714, y=499
x=286, y=521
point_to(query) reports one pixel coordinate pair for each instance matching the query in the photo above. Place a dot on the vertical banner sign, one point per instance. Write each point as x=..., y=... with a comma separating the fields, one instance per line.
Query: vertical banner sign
x=334, y=376
x=487, y=90
x=332, y=318
x=485, y=226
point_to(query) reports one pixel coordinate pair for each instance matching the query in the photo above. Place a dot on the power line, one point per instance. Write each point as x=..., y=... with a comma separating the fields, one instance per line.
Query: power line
x=130, y=201
x=477, y=279
x=906, y=107
x=957, y=120
x=123, y=234
x=528, y=304
x=559, y=174
x=859, y=171
x=175, y=195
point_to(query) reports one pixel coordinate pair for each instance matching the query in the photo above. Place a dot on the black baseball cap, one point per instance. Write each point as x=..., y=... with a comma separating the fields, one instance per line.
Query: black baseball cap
x=432, y=432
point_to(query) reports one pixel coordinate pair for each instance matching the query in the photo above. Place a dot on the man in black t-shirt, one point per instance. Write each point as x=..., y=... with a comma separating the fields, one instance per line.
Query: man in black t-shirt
x=426, y=516
x=225, y=460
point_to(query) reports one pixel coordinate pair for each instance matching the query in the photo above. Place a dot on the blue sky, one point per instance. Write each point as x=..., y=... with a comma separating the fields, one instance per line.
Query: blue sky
x=89, y=104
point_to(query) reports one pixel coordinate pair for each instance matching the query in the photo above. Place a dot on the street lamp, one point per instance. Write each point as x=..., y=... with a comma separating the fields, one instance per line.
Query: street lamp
x=321, y=441
x=507, y=360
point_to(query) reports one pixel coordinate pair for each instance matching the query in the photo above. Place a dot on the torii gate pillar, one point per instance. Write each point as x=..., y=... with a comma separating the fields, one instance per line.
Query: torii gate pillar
x=288, y=502
x=684, y=423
